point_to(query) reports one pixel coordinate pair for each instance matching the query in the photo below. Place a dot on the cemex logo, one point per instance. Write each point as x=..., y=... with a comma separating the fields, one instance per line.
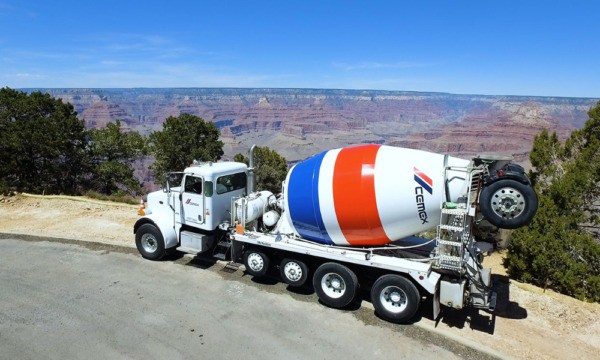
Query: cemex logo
x=188, y=201
x=424, y=180
x=426, y=183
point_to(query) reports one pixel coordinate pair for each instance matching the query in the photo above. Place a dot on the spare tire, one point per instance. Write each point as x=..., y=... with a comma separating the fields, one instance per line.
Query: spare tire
x=508, y=204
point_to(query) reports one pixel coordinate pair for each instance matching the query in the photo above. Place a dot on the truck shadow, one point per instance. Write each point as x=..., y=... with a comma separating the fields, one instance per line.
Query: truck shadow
x=477, y=319
x=199, y=261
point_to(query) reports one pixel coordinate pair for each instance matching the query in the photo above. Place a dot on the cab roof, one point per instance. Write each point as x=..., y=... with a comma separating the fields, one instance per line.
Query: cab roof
x=216, y=168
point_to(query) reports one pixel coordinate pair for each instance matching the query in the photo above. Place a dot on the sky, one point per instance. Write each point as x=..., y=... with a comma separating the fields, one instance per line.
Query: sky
x=499, y=47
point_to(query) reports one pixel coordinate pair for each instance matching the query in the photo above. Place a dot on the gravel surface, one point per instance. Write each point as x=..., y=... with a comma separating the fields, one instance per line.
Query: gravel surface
x=528, y=324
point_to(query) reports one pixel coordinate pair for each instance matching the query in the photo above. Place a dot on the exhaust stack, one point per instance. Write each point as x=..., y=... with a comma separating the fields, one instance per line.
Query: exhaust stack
x=251, y=179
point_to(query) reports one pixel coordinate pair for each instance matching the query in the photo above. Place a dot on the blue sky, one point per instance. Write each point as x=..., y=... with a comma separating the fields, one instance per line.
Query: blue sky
x=500, y=47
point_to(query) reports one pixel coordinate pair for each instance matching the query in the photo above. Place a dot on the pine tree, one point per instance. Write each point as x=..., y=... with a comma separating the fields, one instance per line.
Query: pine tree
x=42, y=144
x=183, y=139
x=112, y=153
x=560, y=248
x=270, y=168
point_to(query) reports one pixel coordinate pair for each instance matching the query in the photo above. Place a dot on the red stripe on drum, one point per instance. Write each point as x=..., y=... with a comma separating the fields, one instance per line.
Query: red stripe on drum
x=354, y=196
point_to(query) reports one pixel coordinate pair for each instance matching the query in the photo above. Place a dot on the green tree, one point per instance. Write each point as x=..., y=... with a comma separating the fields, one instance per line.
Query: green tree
x=560, y=248
x=183, y=139
x=112, y=153
x=42, y=143
x=270, y=168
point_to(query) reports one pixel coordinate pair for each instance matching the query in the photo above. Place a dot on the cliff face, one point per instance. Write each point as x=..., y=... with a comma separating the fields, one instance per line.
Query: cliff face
x=298, y=123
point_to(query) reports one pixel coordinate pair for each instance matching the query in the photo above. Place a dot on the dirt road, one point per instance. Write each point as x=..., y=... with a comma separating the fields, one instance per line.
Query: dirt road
x=530, y=323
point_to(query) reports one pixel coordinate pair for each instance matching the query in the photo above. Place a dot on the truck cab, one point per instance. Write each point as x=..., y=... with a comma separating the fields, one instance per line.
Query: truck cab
x=186, y=213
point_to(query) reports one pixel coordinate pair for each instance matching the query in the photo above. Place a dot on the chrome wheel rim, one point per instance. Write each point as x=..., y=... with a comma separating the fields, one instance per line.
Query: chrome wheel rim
x=149, y=243
x=333, y=285
x=508, y=203
x=292, y=271
x=255, y=262
x=393, y=299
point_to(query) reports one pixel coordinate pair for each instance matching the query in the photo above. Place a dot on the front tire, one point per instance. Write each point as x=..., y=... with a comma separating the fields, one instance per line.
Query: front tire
x=335, y=284
x=395, y=298
x=149, y=242
x=508, y=204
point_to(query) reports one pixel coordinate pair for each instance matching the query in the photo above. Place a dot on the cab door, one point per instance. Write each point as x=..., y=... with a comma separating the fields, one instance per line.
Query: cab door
x=192, y=201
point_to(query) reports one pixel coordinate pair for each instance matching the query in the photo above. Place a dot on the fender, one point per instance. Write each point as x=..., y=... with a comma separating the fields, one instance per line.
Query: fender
x=508, y=171
x=166, y=228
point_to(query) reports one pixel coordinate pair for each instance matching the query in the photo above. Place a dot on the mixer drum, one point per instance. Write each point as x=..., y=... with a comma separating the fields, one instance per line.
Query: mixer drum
x=368, y=195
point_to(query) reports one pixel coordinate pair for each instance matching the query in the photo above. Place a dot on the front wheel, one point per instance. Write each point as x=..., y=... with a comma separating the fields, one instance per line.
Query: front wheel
x=395, y=298
x=149, y=242
x=508, y=204
x=335, y=284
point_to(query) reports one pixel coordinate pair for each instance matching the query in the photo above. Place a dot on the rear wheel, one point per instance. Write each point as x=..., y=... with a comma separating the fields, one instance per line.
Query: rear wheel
x=395, y=298
x=149, y=242
x=293, y=272
x=256, y=262
x=335, y=284
x=508, y=204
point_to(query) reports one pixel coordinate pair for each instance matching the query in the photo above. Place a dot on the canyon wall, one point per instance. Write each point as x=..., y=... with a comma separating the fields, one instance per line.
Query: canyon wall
x=299, y=123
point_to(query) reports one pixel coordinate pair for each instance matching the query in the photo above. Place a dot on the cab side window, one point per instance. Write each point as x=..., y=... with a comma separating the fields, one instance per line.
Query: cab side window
x=231, y=182
x=193, y=184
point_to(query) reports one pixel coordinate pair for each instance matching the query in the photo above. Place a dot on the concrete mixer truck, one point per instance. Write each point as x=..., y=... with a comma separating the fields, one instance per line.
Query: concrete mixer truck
x=345, y=221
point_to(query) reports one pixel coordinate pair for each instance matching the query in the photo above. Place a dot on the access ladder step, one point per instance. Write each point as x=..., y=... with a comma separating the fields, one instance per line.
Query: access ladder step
x=188, y=250
x=450, y=262
x=452, y=228
x=221, y=250
x=457, y=211
x=449, y=243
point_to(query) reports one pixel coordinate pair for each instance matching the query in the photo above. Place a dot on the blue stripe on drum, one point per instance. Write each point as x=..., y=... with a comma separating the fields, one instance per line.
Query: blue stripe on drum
x=424, y=184
x=303, y=200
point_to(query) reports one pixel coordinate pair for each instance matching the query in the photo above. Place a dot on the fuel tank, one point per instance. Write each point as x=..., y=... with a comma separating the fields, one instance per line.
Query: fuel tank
x=369, y=195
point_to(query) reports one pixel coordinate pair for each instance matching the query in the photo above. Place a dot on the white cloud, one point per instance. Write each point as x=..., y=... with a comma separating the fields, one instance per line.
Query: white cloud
x=27, y=75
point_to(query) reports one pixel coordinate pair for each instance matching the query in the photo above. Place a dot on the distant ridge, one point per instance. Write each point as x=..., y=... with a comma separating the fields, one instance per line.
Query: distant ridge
x=301, y=122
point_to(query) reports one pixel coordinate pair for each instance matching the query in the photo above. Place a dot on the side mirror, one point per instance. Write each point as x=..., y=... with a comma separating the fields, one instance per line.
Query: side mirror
x=172, y=179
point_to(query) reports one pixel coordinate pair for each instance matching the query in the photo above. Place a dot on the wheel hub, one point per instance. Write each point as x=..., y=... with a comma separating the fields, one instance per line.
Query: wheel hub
x=255, y=261
x=508, y=202
x=149, y=243
x=292, y=271
x=393, y=299
x=333, y=285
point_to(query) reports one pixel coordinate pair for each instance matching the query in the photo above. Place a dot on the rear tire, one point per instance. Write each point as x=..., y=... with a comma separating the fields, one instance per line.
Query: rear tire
x=293, y=272
x=149, y=242
x=395, y=298
x=335, y=284
x=508, y=204
x=256, y=262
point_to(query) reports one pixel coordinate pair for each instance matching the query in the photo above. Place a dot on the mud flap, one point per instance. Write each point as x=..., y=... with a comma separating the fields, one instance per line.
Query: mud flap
x=436, y=302
x=493, y=299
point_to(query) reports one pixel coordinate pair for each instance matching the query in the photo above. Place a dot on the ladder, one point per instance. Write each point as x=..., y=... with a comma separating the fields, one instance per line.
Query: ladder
x=454, y=233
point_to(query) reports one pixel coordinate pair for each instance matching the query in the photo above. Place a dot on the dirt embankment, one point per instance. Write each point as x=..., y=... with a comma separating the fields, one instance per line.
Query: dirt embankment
x=529, y=323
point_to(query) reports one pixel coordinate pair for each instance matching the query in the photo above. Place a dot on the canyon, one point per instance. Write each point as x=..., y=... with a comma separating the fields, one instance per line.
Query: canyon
x=298, y=123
